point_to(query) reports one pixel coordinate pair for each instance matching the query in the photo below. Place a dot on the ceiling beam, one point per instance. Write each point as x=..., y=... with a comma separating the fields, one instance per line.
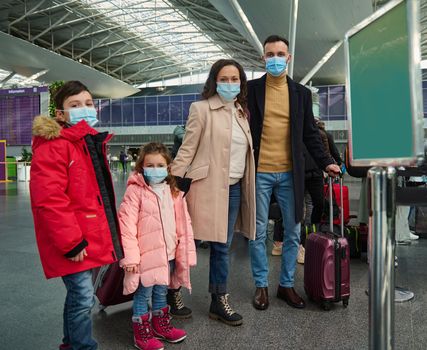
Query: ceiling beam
x=27, y=13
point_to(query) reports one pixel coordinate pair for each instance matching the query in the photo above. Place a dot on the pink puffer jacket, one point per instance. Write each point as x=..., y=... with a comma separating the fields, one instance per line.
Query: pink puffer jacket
x=143, y=239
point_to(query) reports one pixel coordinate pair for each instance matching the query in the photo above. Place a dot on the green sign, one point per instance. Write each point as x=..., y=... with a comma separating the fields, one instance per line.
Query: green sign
x=384, y=92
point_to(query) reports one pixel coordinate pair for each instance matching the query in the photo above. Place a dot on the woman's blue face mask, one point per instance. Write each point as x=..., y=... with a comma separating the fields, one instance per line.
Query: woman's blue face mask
x=228, y=91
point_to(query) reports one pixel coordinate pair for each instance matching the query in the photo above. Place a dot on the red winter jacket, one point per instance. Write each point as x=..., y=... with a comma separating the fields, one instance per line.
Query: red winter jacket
x=72, y=198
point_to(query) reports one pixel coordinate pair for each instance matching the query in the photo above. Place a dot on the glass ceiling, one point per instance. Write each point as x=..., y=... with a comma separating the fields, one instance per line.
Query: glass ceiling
x=9, y=80
x=165, y=28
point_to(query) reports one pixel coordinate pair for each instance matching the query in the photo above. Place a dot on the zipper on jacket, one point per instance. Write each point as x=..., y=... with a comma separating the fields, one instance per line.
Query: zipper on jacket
x=85, y=150
x=99, y=200
x=164, y=237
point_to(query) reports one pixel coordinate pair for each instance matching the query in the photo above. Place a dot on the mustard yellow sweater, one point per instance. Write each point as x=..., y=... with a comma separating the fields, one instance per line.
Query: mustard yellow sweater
x=275, y=153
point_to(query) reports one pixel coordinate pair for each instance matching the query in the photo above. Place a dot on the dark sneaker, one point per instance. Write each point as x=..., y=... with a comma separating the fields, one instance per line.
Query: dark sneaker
x=221, y=310
x=177, y=307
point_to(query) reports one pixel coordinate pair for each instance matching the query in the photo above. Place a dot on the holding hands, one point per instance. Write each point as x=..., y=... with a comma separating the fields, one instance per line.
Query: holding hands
x=131, y=268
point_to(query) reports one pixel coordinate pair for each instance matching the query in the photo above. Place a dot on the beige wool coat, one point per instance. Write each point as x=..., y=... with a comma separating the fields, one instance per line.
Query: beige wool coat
x=204, y=156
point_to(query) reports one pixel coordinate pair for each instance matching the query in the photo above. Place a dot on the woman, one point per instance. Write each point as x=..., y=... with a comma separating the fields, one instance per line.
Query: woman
x=217, y=155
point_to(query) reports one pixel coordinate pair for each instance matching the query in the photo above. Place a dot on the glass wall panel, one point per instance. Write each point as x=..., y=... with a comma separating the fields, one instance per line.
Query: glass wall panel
x=127, y=110
x=104, y=113
x=116, y=113
x=336, y=105
x=139, y=111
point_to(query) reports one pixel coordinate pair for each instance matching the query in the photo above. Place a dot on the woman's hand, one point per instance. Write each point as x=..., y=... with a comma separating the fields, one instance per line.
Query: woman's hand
x=131, y=268
x=79, y=257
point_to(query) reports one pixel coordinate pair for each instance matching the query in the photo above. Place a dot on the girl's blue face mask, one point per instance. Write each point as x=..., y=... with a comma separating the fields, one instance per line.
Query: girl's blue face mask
x=87, y=114
x=275, y=65
x=155, y=175
x=228, y=91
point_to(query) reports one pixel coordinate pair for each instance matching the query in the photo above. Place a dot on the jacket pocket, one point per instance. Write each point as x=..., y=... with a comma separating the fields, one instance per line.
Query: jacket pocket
x=198, y=173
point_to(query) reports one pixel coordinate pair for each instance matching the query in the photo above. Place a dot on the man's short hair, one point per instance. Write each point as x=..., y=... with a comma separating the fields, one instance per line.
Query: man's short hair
x=275, y=38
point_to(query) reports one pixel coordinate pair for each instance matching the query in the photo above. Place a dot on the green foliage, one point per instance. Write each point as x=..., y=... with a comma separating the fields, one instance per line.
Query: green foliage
x=26, y=155
x=53, y=88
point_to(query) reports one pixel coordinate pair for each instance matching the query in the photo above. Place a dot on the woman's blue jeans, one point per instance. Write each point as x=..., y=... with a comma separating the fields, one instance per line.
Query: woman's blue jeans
x=77, y=311
x=219, y=256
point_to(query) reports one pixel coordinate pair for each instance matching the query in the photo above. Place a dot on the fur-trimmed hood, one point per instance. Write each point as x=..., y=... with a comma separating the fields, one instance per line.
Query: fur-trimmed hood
x=46, y=128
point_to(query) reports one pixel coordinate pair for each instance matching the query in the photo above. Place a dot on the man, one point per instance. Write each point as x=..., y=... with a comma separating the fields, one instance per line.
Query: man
x=281, y=121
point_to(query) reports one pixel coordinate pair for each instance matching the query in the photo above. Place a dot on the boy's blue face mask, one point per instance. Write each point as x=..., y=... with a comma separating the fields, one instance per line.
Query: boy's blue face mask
x=275, y=65
x=155, y=175
x=228, y=91
x=87, y=114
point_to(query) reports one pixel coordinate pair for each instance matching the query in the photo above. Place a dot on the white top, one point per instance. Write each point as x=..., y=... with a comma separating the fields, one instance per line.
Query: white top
x=167, y=213
x=238, y=149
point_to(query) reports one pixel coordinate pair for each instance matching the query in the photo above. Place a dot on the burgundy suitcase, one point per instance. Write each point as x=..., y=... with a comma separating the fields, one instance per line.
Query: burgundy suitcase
x=108, y=285
x=327, y=264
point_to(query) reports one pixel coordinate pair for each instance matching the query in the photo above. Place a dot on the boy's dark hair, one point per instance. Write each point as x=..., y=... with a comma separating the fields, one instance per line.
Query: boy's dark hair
x=209, y=89
x=70, y=88
x=275, y=38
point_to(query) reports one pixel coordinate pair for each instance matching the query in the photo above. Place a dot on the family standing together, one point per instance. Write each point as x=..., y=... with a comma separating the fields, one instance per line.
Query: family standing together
x=244, y=141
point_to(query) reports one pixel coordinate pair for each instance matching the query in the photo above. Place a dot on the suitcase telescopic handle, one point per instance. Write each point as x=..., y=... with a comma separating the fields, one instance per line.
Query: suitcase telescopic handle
x=331, y=205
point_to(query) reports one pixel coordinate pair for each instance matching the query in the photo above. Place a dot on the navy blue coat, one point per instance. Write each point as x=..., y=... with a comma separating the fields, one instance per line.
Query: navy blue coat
x=303, y=131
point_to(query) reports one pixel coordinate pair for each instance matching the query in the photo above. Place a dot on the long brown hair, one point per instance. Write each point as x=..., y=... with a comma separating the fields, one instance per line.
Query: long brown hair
x=157, y=148
x=209, y=89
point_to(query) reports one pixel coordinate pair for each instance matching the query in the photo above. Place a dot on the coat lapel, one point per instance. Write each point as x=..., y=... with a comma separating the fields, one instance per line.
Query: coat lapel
x=260, y=95
x=293, y=100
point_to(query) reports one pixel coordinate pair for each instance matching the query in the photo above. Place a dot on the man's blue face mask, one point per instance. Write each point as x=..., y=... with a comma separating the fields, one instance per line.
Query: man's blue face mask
x=87, y=114
x=275, y=65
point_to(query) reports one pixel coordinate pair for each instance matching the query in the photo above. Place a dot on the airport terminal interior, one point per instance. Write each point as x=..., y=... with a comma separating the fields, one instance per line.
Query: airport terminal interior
x=145, y=63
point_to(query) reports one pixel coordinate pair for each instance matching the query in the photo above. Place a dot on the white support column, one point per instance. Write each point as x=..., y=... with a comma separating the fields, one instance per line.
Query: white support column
x=292, y=34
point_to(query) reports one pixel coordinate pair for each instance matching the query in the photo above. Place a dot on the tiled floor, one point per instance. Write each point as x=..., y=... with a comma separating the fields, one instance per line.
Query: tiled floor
x=31, y=307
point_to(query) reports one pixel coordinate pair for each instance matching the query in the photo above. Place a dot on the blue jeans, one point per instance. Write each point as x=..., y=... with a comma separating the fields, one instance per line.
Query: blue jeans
x=219, y=261
x=155, y=294
x=77, y=311
x=281, y=184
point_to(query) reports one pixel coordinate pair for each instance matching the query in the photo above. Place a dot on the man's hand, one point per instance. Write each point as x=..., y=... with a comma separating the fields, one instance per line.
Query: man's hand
x=333, y=170
x=131, y=268
x=79, y=257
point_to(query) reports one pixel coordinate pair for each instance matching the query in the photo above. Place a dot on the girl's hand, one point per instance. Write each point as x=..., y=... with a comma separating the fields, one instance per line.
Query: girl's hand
x=79, y=257
x=131, y=268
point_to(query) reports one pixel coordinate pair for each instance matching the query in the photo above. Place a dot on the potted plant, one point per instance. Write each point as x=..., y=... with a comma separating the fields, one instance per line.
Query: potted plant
x=24, y=165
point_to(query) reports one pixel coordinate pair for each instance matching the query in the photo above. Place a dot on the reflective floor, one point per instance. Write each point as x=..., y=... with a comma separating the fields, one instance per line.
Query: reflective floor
x=31, y=307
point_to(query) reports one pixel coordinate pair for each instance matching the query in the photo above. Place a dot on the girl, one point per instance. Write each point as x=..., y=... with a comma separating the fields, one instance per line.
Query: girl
x=158, y=245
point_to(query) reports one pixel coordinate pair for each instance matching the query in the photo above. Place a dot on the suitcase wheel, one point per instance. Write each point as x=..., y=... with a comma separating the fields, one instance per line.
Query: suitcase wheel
x=326, y=305
x=345, y=302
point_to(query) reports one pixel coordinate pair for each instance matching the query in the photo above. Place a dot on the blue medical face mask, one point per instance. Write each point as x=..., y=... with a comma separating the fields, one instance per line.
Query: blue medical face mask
x=228, y=91
x=155, y=175
x=83, y=113
x=275, y=65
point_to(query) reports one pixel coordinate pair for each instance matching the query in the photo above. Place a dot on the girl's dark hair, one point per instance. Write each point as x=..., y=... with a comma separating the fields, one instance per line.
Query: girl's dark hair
x=209, y=89
x=153, y=148
x=70, y=88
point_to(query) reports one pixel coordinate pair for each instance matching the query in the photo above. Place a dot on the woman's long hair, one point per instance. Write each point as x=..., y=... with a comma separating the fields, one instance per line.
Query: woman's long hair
x=209, y=89
x=157, y=148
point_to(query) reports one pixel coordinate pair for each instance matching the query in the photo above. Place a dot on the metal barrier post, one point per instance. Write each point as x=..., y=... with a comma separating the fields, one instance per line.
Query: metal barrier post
x=382, y=184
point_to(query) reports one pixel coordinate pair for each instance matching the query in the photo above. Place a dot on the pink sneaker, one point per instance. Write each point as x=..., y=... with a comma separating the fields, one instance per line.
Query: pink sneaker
x=143, y=333
x=163, y=329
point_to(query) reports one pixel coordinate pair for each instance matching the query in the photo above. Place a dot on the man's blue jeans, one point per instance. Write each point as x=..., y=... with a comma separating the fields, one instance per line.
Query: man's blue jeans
x=154, y=295
x=282, y=185
x=77, y=311
x=219, y=256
